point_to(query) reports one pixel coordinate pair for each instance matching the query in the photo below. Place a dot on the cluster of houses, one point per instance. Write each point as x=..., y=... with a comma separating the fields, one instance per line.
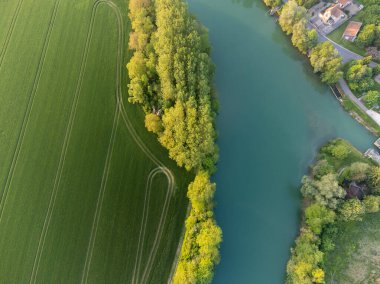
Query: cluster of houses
x=334, y=15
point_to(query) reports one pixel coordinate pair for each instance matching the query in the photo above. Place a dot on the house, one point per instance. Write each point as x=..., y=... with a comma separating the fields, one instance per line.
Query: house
x=332, y=15
x=343, y=3
x=356, y=191
x=352, y=31
x=373, y=155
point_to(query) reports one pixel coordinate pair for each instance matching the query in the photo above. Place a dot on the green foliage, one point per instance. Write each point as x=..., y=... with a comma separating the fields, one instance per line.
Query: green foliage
x=303, y=38
x=307, y=3
x=153, y=123
x=371, y=14
x=325, y=191
x=367, y=36
x=322, y=168
x=351, y=210
x=201, y=193
x=359, y=76
x=374, y=176
x=290, y=15
x=171, y=77
x=371, y=203
x=272, y=3
x=200, y=249
x=339, y=151
x=359, y=171
x=325, y=59
x=305, y=261
x=171, y=71
x=372, y=98
x=328, y=236
x=317, y=216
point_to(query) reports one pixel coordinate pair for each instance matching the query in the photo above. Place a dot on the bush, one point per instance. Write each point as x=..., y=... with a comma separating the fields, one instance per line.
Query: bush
x=372, y=98
x=317, y=216
x=339, y=151
x=326, y=191
x=305, y=260
x=322, y=168
x=352, y=210
x=153, y=123
x=371, y=203
x=359, y=171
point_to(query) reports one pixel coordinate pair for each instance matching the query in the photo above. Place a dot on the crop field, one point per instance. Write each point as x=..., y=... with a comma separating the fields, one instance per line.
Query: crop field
x=87, y=195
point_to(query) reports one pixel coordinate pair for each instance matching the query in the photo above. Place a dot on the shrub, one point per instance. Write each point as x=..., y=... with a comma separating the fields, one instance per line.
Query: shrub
x=372, y=98
x=371, y=203
x=322, y=168
x=359, y=171
x=352, y=210
x=326, y=191
x=317, y=216
x=153, y=123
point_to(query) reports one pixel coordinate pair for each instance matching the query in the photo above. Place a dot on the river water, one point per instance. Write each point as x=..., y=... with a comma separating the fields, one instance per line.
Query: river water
x=274, y=115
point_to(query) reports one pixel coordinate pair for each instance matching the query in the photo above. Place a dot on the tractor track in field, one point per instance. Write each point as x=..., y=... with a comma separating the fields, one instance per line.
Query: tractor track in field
x=28, y=111
x=10, y=31
x=69, y=128
x=120, y=111
x=142, y=146
x=146, y=151
x=140, y=247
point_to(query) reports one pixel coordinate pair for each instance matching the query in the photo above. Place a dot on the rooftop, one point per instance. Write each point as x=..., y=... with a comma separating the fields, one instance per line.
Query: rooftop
x=352, y=29
x=344, y=2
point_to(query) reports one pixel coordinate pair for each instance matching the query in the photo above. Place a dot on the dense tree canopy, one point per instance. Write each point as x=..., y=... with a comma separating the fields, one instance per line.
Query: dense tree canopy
x=171, y=78
x=290, y=15
x=303, y=38
x=325, y=59
x=325, y=191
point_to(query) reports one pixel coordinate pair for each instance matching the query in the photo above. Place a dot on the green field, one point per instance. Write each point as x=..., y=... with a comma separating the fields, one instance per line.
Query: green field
x=356, y=257
x=87, y=195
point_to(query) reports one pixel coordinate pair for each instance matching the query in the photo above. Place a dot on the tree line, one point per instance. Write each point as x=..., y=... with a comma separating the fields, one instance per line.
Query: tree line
x=171, y=77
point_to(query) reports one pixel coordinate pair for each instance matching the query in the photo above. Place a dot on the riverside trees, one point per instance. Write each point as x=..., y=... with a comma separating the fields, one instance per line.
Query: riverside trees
x=324, y=57
x=330, y=203
x=171, y=78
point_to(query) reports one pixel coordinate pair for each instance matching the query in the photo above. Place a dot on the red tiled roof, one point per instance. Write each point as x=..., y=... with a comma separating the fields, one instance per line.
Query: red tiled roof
x=344, y=2
x=352, y=29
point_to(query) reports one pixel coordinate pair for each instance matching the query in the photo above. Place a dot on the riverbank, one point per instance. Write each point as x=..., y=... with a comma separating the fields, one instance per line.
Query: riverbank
x=259, y=105
x=341, y=188
x=310, y=41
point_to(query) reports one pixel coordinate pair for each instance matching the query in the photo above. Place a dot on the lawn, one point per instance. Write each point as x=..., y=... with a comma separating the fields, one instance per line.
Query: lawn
x=85, y=196
x=356, y=257
x=337, y=37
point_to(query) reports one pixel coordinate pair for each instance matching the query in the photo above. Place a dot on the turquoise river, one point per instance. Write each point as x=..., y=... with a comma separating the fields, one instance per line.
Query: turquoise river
x=274, y=114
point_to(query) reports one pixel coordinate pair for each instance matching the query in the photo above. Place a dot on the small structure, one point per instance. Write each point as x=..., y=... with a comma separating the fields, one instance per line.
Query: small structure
x=373, y=155
x=377, y=143
x=355, y=191
x=352, y=31
x=332, y=15
x=343, y=3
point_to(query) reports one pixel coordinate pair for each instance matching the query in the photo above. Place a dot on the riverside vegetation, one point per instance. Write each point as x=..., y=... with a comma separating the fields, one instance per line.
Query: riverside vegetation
x=171, y=77
x=324, y=58
x=343, y=186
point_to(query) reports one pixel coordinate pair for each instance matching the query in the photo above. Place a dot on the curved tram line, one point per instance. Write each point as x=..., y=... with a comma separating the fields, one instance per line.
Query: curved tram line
x=120, y=110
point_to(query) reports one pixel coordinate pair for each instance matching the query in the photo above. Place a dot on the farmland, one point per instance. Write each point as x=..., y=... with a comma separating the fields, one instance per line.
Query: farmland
x=87, y=195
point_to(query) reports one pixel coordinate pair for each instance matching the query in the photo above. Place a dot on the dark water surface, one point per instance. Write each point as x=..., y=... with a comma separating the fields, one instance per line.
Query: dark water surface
x=274, y=115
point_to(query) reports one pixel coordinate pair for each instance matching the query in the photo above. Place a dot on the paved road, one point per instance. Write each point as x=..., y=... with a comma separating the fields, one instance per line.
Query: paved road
x=346, y=54
x=346, y=90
